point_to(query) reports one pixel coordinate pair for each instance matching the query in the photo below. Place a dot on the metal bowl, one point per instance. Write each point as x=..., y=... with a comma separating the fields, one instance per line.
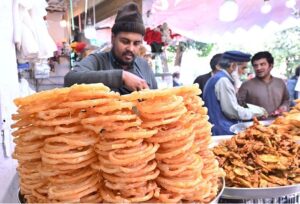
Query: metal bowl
x=21, y=197
x=216, y=199
x=236, y=128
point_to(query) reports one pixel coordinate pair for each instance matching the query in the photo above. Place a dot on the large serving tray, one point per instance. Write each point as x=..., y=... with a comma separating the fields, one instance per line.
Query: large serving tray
x=214, y=201
x=254, y=193
x=217, y=139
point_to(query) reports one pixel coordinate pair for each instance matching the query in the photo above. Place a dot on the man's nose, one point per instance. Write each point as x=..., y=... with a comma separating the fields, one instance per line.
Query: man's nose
x=130, y=47
x=258, y=67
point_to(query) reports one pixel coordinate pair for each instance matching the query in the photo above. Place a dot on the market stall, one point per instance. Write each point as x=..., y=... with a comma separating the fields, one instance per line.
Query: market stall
x=89, y=144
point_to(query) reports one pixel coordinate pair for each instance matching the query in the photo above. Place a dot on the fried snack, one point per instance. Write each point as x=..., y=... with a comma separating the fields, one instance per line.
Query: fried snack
x=260, y=157
x=289, y=123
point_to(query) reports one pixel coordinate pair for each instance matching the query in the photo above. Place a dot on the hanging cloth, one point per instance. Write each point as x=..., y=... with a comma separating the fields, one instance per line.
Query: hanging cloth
x=30, y=31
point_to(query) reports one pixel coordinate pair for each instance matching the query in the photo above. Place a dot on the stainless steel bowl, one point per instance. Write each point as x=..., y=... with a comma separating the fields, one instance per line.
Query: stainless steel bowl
x=236, y=128
x=21, y=197
x=216, y=199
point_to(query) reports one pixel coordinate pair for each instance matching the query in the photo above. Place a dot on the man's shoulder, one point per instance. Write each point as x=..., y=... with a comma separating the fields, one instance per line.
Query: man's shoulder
x=278, y=80
x=141, y=62
x=249, y=82
x=203, y=76
x=100, y=54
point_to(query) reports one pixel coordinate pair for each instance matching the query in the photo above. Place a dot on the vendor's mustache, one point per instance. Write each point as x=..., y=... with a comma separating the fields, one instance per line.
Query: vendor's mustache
x=128, y=53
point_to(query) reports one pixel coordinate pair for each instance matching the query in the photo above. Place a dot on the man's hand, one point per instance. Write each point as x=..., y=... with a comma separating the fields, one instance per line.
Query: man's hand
x=257, y=111
x=134, y=82
x=279, y=111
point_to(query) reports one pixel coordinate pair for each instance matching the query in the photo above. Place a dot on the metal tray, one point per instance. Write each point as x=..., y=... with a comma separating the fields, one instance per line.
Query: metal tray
x=214, y=201
x=253, y=193
x=215, y=140
x=236, y=128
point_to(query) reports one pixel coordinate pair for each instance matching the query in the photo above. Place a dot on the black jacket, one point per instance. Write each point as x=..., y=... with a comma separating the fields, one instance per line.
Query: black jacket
x=201, y=80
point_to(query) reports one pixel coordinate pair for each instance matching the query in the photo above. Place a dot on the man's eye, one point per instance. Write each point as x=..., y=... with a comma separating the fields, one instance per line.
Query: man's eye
x=125, y=41
x=137, y=43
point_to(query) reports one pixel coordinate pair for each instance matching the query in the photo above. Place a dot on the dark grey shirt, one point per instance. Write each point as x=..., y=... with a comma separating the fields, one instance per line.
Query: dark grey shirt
x=104, y=68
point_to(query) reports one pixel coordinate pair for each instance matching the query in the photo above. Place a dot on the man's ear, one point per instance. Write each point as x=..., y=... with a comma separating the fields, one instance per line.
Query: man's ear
x=113, y=37
x=234, y=65
x=218, y=67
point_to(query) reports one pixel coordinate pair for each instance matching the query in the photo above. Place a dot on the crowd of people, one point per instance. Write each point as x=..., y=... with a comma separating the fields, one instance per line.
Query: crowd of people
x=228, y=99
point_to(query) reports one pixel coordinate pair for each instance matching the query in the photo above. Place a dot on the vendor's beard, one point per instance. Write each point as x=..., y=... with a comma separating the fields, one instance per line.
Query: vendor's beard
x=120, y=61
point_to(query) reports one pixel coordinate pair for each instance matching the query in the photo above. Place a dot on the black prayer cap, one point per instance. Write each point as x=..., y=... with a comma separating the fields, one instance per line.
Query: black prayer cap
x=129, y=19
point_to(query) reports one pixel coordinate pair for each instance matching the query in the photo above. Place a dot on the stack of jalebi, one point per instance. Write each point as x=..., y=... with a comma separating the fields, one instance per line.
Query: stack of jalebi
x=202, y=129
x=126, y=160
x=87, y=144
x=183, y=132
x=53, y=148
x=29, y=140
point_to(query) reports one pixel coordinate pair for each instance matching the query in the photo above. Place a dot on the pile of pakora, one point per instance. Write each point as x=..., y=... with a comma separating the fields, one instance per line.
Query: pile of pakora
x=262, y=156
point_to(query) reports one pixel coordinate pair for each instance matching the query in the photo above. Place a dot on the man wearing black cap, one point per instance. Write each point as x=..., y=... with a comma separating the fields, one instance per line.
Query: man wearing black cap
x=120, y=69
x=202, y=79
x=220, y=95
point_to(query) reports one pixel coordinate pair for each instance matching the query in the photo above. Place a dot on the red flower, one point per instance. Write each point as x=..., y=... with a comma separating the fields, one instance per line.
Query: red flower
x=80, y=47
x=152, y=36
x=159, y=35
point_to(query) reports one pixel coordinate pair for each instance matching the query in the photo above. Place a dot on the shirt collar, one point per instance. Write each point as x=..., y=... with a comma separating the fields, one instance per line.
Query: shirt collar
x=228, y=75
x=271, y=80
x=116, y=64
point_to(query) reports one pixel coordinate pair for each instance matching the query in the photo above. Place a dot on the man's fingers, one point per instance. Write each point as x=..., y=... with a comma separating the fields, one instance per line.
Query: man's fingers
x=142, y=85
x=145, y=85
x=139, y=88
x=134, y=82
